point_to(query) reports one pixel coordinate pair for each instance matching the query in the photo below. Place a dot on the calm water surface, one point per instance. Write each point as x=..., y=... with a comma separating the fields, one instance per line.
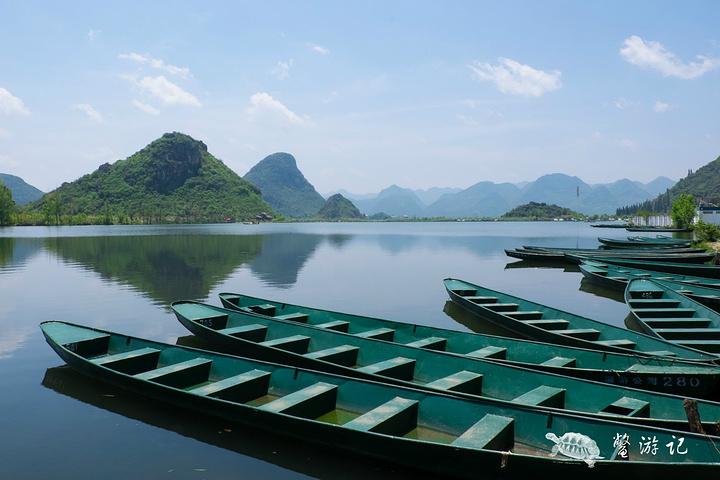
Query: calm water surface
x=57, y=424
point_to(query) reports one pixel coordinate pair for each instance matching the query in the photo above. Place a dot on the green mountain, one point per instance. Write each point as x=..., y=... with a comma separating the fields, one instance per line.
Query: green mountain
x=284, y=187
x=338, y=207
x=173, y=178
x=22, y=192
x=538, y=211
x=703, y=185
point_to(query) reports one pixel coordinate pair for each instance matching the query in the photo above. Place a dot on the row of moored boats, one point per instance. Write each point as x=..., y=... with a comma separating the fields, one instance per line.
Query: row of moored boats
x=566, y=393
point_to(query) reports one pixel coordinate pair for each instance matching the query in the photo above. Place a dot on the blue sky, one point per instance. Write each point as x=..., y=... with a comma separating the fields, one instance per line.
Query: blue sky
x=365, y=94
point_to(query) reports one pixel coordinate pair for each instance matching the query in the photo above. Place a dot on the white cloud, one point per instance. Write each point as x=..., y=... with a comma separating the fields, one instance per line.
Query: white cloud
x=626, y=143
x=262, y=105
x=282, y=69
x=660, y=107
x=318, y=48
x=146, y=108
x=93, y=34
x=5, y=133
x=165, y=91
x=11, y=105
x=653, y=55
x=623, y=103
x=8, y=162
x=155, y=63
x=94, y=115
x=513, y=78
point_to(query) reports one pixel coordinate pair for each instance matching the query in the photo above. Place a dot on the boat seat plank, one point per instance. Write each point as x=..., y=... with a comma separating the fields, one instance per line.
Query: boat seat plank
x=293, y=343
x=386, y=334
x=265, y=309
x=502, y=307
x=712, y=346
x=464, y=292
x=395, y=417
x=239, y=388
x=293, y=317
x=463, y=382
x=559, y=362
x=310, y=402
x=664, y=312
x=543, y=396
x=622, y=343
x=430, y=343
x=581, y=333
x=345, y=355
x=553, y=324
x=401, y=368
x=689, y=333
x=88, y=344
x=629, y=407
x=654, y=303
x=656, y=323
x=131, y=362
x=525, y=315
x=253, y=332
x=336, y=325
x=490, y=351
x=492, y=432
x=179, y=375
x=480, y=299
x=216, y=322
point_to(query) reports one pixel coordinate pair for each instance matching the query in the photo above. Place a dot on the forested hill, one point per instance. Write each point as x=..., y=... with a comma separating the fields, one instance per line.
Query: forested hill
x=172, y=178
x=539, y=211
x=703, y=185
x=22, y=193
x=284, y=187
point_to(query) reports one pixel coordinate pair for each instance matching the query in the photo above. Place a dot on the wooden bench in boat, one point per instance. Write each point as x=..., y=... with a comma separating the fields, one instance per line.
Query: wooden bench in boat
x=656, y=323
x=463, y=382
x=622, y=343
x=310, y=402
x=553, y=324
x=239, y=388
x=430, y=343
x=492, y=432
x=386, y=334
x=180, y=375
x=581, y=333
x=489, y=352
x=395, y=417
x=654, y=303
x=502, y=307
x=401, y=368
x=253, y=332
x=345, y=355
x=336, y=325
x=559, y=362
x=689, y=333
x=293, y=343
x=480, y=299
x=543, y=396
x=130, y=362
x=293, y=317
x=664, y=312
x=89, y=345
x=266, y=309
x=199, y=314
x=629, y=407
x=712, y=346
x=465, y=292
x=525, y=315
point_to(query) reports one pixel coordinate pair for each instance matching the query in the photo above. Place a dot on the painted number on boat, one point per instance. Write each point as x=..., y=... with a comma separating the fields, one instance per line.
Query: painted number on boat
x=666, y=381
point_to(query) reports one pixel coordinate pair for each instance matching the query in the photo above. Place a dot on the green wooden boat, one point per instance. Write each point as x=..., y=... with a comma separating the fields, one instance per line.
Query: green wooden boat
x=705, y=271
x=670, y=315
x=546, y=324
x=644, y=242
x=667, y=375
x=435, y=433
x=682, y=256
x=361, y=356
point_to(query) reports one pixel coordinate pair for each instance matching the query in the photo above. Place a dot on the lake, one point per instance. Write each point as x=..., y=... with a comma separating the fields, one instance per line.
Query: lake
x=60, y=425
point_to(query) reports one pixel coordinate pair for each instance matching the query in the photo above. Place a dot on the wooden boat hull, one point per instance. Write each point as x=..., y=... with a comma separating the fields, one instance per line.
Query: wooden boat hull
x=546, y=324
x=670, y=315
x=704, y=271
x=643, y=242
x=467, y=376
x=654, y=373
x=403, y=426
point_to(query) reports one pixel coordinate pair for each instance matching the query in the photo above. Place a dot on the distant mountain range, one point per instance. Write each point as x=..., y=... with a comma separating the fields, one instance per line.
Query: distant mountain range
x=488, y=199
x=22, y=192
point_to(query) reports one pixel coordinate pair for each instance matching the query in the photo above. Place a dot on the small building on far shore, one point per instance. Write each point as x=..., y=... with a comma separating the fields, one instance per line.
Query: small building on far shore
x=709, y=214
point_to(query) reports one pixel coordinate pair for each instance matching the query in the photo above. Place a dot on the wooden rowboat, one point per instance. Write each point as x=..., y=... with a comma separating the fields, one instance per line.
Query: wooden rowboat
x=705, y=271
x=654, y=373
x=546, y=324
x=681, y=256
x=644, y=242
x=467, y=376
x=438, y=434
x=673, y=316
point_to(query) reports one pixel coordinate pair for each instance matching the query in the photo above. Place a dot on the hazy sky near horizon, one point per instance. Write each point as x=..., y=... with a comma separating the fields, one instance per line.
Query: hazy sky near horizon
x=365, y=94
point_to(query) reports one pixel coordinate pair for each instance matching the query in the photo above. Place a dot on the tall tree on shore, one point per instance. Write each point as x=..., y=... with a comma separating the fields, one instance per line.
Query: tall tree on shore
x=7, y=205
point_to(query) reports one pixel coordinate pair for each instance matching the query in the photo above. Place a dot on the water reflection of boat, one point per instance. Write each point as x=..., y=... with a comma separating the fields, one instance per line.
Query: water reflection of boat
x=402, y=425
x=242, y=439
